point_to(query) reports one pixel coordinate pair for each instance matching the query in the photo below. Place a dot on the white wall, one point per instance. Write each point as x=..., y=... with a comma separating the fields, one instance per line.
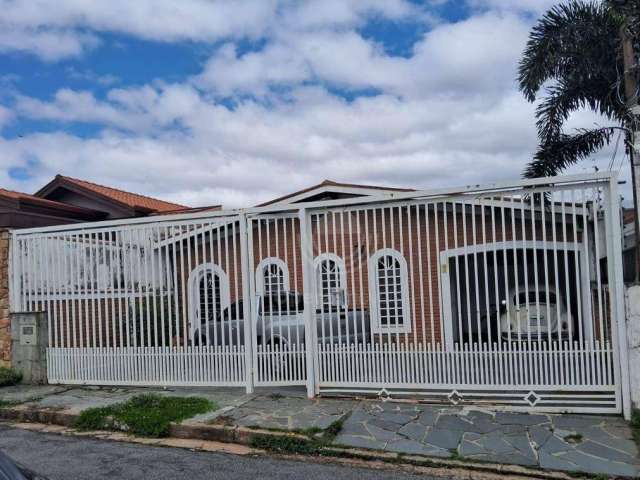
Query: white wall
x=633, y=335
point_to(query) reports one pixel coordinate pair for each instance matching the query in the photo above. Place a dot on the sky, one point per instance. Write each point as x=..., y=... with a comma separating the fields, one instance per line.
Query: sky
x=205, y=102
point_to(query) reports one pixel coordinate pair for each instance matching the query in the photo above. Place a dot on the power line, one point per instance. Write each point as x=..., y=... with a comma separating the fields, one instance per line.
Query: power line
x=615, y=151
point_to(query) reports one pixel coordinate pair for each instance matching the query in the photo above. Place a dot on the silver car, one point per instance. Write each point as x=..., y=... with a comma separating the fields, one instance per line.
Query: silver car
x=279, y=320
x=535, y=313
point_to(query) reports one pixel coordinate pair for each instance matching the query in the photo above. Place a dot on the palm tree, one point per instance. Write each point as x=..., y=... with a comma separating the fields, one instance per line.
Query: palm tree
x=574, y=57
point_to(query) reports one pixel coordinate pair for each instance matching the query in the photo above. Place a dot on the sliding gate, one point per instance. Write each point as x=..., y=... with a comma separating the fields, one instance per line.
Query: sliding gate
x=508, y=294
x=139, y=303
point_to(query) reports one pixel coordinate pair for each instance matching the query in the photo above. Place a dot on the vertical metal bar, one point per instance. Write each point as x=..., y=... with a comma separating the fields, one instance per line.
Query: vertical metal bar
x=246, y=246
x=616, y=285
x=306, y=249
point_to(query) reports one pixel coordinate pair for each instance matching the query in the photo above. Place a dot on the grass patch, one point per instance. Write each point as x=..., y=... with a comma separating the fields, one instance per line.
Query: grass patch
x=8, y=403
x=313, y=444
x=573, y=438
x=9, y=376
x=635, y=425
x=146, y=415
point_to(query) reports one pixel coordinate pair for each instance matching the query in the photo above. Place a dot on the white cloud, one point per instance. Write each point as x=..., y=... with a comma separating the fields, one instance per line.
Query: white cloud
x=57, y=30
x=6, y=116
x=447, y=114
x=531, y=6
x=90, y=76
x=477, y=54
x=49, y=44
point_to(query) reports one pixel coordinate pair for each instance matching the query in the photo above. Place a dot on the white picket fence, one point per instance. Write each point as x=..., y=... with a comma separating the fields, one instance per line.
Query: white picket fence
x=505, y=294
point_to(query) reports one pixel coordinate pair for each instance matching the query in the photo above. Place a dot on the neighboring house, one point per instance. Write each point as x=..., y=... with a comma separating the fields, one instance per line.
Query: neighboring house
x=67, y=200
x=629, y=245
x=112, y=202
x=70, y=200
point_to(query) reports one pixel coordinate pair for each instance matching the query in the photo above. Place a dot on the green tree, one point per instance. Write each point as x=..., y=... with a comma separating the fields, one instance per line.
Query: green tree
x=574, y=60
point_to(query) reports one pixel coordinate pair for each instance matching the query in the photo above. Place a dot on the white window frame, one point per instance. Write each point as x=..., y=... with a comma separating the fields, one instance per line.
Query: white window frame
x=342, y=276
x=374, y=290
x=194, y=291
x=265, y=262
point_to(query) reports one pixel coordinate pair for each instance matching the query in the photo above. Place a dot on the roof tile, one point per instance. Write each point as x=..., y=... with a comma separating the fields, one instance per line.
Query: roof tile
x=131, y=199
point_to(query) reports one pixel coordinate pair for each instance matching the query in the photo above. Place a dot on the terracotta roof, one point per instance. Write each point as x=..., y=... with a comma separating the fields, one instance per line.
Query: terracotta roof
x=133, y=200
x=209, y=208
x=628, y=215
x=331, y=183
x=22, y=197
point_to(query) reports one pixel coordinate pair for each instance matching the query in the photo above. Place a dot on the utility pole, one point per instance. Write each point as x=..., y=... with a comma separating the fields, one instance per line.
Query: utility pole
x=633, y=134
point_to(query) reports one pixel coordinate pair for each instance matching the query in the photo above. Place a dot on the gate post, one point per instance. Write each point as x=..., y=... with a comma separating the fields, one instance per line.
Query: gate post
x=247, y=314
x=306, y=254
x=616, y=285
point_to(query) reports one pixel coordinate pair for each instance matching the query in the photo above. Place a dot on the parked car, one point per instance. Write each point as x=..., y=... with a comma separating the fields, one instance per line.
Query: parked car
x=10, y=470
x=541, y=312
x=280, y=320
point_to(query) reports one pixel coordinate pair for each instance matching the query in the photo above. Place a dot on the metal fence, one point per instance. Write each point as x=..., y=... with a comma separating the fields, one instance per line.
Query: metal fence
x=508, y=294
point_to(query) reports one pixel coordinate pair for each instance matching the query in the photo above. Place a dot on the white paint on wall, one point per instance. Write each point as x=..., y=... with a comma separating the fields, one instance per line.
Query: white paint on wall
x=633, y=332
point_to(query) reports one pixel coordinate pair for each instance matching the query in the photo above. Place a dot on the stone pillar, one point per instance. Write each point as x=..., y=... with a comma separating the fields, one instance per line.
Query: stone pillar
x=5, y=321
x=29, y=346
x=633, y=335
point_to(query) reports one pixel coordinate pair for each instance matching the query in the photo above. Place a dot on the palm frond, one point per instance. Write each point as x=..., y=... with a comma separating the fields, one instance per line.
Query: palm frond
x=566, y=150
x=572, y=40
x=596, y=93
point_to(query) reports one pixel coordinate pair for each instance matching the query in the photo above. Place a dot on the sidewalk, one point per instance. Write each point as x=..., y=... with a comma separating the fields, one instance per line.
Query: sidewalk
x=599, y=445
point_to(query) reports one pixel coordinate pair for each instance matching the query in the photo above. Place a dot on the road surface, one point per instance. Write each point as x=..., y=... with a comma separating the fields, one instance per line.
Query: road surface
x=67, y=458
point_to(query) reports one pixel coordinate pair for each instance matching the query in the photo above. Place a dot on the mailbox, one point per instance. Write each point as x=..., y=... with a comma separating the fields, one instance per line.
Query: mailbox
x=28, y=334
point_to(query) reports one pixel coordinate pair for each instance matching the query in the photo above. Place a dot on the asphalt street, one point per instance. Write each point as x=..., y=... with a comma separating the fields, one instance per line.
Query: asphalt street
x=67, y=458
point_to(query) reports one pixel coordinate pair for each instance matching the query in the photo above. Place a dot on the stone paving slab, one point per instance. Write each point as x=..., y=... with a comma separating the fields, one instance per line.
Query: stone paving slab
x=273, y=411
x=586, y=443
x=76, y=399
x=25, y=393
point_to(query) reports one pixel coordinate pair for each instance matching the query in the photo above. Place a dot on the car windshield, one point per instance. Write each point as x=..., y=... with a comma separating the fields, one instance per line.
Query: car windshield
x=285, y=304
x=523, y=298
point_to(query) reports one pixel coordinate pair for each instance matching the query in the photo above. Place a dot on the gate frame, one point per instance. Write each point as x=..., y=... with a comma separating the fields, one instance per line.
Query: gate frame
x=613, y=249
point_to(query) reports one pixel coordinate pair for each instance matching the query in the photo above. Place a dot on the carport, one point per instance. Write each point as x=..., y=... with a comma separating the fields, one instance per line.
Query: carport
x=477, y=279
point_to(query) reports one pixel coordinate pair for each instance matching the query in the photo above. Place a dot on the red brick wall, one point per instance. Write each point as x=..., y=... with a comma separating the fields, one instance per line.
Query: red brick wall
x=353, y=236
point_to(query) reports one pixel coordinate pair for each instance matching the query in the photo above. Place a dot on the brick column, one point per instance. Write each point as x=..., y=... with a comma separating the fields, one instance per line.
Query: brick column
x=5, y=322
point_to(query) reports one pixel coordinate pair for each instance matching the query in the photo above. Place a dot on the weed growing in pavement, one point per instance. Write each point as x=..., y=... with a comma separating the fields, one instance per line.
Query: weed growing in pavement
x=9, y=376
x=146, y=415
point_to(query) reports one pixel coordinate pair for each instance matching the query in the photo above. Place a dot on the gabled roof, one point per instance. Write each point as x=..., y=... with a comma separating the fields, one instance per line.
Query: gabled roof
x=19, y=210
x=134, y=201
x=20, y=198
x=329, y=187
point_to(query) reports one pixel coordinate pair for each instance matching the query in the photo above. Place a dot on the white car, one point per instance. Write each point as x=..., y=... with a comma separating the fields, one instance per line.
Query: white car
x=536, y=313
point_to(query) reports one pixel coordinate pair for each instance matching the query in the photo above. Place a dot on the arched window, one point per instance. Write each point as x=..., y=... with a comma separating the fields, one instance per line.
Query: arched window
x=330, y=281
x=208, y=295
x=272, y=277
x=389, y=292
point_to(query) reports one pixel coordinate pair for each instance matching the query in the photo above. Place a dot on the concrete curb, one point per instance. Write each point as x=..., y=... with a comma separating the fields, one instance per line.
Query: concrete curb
x=242, y=436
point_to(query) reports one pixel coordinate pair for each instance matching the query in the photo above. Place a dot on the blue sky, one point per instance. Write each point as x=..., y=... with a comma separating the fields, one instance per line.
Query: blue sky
x=206, y=102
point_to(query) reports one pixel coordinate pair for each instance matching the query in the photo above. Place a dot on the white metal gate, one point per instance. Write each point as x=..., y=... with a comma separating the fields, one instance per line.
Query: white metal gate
x=136, y=303
x=495, y=295
x=509, y=294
